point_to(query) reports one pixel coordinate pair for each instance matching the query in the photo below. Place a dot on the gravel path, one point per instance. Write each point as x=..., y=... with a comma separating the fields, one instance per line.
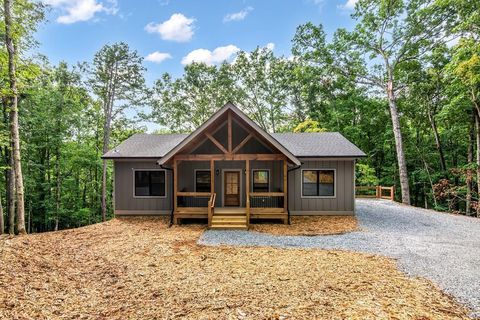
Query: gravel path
x=441, y=247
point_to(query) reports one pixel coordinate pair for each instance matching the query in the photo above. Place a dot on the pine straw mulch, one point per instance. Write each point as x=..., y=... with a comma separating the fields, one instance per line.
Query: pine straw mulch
x=310, y=226
x=140, y=269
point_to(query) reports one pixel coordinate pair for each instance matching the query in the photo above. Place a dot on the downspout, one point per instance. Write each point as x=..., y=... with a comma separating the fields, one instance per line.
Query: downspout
x=288, y=171
x=173, y=193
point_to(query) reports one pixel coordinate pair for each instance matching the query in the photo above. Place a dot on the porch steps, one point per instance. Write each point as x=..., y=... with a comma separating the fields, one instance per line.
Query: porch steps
x=229, y=219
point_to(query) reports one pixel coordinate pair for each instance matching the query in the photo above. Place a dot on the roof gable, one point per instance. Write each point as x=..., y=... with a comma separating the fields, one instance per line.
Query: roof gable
x=220, y=114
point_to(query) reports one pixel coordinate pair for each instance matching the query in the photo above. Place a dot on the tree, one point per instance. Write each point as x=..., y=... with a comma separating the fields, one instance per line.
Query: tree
x=183, y=104
x=260, y=80
x=20, y=20
x=117, y=77
x=309, y=125
x=389, y=35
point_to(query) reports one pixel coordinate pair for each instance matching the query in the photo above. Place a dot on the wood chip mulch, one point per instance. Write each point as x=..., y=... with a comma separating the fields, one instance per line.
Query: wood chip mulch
x=141, y=269
x=310, y=226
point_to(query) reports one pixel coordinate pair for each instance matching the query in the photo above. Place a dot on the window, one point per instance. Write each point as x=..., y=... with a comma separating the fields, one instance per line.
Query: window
x=202, y=181
x=261, y=179
x=318, y=183
x=149, y=183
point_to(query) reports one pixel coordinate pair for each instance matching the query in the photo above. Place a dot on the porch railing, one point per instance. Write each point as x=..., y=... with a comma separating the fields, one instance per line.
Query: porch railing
x=193, y=199
x=267, y=199
x=211, y=208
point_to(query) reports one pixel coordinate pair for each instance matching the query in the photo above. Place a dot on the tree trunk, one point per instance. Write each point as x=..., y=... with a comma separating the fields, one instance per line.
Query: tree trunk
x=402, y=165
x=106, y=142
x=477, y=129
x=15, y=134
x=438, y=142
x=2, y=221
x=11, y=196
x=469, y=180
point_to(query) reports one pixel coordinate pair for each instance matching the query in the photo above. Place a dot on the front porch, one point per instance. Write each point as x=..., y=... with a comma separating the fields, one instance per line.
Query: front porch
x=229, y=171
x=239, y=190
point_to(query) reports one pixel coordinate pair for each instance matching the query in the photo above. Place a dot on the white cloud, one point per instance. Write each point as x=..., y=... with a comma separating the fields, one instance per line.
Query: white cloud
x=81, y=10
x=178, y=28
x=349, y=5
x=270, y=46
x=158, y=57
x=208, y=57
x=237, y=16
x=318, y=3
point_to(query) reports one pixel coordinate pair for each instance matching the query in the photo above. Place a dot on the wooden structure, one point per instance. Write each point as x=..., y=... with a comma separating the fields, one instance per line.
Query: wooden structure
x=230, y=172
x=375, y=192
x=229, y=212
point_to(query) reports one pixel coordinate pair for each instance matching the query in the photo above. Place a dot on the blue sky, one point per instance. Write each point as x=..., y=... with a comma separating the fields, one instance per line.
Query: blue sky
x=172, y=33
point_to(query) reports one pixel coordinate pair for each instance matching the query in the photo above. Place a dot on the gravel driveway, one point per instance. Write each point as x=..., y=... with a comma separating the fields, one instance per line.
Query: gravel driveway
x=441, y=247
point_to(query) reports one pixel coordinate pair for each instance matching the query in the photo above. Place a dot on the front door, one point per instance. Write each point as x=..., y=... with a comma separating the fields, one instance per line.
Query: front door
x=232, y=188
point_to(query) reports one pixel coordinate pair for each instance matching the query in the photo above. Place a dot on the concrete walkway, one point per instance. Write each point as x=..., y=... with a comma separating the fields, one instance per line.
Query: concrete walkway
x=441, y=247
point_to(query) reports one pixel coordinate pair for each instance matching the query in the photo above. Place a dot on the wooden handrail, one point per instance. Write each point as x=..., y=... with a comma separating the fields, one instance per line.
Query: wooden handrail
x=247, y=212
x=193, y=194
x=211, y=208
x=267, y=194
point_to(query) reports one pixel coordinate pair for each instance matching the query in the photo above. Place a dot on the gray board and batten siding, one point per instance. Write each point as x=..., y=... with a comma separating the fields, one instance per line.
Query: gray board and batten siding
x=341, y=204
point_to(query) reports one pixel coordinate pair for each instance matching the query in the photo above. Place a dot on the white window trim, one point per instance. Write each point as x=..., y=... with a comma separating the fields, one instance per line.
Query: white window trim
x=269, y=178
x=195, y=178
x=319, y=197
x=148, y=197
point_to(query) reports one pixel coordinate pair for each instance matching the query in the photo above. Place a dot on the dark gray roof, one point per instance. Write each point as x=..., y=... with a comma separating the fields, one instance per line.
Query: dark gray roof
x=144, y=145
x=318, y=144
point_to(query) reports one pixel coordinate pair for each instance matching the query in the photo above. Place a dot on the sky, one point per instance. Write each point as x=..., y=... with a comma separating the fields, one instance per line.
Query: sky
x=172, y=33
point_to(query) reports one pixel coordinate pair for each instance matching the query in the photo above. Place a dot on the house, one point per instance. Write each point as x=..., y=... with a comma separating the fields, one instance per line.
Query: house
x=230, y=171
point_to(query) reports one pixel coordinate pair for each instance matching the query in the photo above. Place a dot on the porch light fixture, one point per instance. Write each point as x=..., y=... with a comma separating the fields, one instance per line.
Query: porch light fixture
x=217, y=172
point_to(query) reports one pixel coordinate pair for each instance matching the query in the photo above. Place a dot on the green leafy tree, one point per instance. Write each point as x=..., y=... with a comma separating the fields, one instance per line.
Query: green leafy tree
x=118, y=80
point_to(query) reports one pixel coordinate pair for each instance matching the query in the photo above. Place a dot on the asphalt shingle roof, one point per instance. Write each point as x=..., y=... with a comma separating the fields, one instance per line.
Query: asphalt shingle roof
x=318, y=144
x=144, y=145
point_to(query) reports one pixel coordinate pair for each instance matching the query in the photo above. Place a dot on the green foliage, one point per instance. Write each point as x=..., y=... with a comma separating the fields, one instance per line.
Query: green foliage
x=365, y=175
x=309, y=125
x=336, y=85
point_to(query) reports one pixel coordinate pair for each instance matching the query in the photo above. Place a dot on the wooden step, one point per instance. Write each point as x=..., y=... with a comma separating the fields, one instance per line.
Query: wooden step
x=229, y=213
x=229, y=218
x=228, y=227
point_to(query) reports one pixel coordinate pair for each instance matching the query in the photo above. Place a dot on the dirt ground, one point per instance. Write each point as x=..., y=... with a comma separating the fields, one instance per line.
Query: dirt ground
x=310, y=226
x=141, y=269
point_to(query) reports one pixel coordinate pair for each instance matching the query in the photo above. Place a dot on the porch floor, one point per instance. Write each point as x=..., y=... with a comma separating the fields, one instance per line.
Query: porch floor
x=231, y=217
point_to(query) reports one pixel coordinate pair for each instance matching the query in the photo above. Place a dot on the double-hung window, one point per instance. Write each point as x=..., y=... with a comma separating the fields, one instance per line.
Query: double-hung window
x=203, y=181
x=150, y=183
x=318, y=183
x=261, y=180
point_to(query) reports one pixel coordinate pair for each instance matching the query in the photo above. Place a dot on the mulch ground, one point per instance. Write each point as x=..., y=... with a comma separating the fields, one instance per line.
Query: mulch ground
x=141, y=269
x=310, y=226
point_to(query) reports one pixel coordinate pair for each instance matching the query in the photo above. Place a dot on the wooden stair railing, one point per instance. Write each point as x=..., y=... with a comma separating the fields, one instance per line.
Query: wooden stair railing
x=247, y=211
x=211, y=208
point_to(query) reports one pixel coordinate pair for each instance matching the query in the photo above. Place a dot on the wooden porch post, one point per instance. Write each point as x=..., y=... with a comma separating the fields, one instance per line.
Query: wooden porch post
x=285, y=189
x=175, y=187
x=247, y=190
x=212, y=176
